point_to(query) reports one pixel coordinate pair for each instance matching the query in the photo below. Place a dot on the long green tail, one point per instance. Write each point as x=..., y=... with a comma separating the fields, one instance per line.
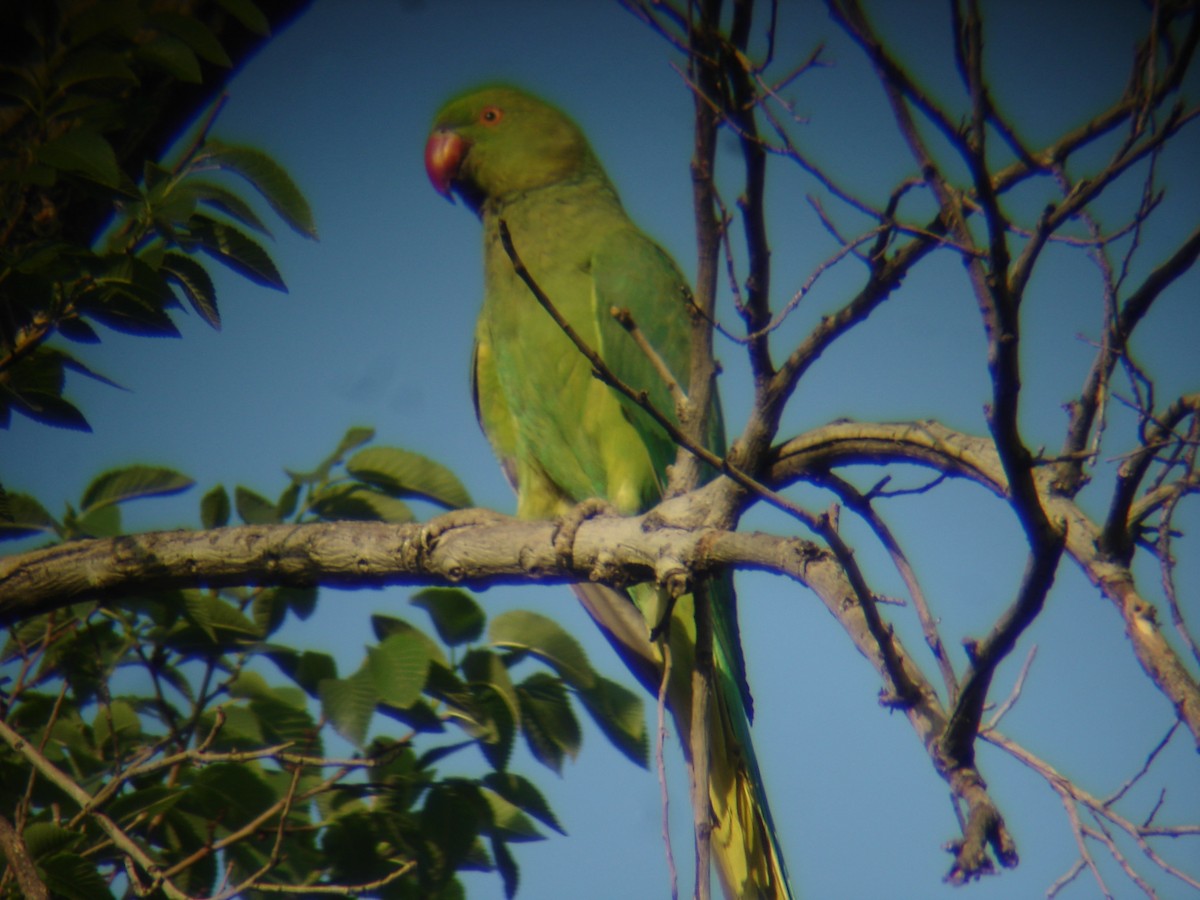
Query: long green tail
x=744, y=844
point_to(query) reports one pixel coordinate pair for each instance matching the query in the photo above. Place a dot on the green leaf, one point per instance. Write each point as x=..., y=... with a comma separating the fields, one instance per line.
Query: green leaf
x=547, y=720
x=73, y=877
x=254, y=509
x=248, y=14
x=45, y=838
x=452, y=817
x=545, y=639
x=301, y=601
x=269, y=179
x=249, y=685
x=212, y=614
x=84, y=153
x=226, y=201
x=232, y=794
x=522, y=792
x=117, y=720
x=385, y=626
x=506, y=865
x=195, y=34
x=77, y=330
x=229, y=246
x=23, y=516
x=349, y=703
x=495, y=724
x=403, y=473
x=103, y=521
x=286, y=504
x=215, y=508
x=619, y=713
x=308, y=668
x=130, y=296
x=509, y=823
x=173, y=56
x=354, y=437
x=359, y=503
x=149, y=800
x=196, y=284
x=481, y=666
x=400, y=667
x=132, y=483
x=457, y=618
x=284, y=722
x=49, y=409
x=91, y=65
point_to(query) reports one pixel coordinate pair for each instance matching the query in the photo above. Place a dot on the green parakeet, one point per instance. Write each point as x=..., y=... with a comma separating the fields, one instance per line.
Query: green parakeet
x=563, y=436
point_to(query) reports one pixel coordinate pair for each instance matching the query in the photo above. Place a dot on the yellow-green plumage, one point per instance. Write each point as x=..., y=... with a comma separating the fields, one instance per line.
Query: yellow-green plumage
x=563, y=436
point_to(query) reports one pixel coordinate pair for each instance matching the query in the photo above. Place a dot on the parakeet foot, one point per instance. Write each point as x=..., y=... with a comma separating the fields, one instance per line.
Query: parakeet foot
x=457, y=518
x=567, y=525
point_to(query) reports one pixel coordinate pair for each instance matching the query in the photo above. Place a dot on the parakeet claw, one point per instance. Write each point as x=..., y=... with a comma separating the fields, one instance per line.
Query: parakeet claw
x=567, y=525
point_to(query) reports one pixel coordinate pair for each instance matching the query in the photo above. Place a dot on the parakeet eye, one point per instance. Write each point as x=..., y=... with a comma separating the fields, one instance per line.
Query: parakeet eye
x=491, y=115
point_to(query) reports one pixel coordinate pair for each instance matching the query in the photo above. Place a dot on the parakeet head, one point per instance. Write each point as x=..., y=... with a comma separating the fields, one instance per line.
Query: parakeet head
x=496, y=141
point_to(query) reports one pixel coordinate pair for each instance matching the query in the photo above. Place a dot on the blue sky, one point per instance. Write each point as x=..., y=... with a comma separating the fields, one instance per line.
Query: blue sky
x=376, y=331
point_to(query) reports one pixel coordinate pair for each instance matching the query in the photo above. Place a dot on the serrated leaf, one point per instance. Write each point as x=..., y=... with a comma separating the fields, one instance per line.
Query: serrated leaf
x=282, y=721
x=522, y=792
x=173, y=56
x=509, y=823
x=132, y=483
x=77, y=330
x=45, y=838
x=85, y=153
x=547, y=720
x=91, y=65
x=619, y=713
x=226, y=201
x=23, y=516
x=116, y=719
x=360, y=503
x=249, y=685
x=130, y=296
x=349, y=703
x=481, y=666
x=403, y=473
x=49, y=409
x=215, y=508
x=354, y=437
x=457, y=618
x=195, y=34
x=385, y=626
x=148, y=801
x=400, y=666
x=232, y=793
x=196, y=284
x=545, y=639
x=212, y=614
x=506, y=865
x=497, y=726
x=229, y=246
x=254, y=509
x=308, y=668
x=269, y=179
x=72, y=876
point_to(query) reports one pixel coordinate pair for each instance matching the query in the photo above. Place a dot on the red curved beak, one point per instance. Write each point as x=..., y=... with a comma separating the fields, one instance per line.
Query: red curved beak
x=444, y=152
